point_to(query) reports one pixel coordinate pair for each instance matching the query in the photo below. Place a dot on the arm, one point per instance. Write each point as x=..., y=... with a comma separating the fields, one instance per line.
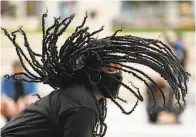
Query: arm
x=8, y=106
x=80, y=123
x=3, y=88
x=5, y=92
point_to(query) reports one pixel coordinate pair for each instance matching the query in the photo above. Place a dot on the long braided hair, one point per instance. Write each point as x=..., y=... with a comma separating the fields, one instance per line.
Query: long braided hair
x=82, y=53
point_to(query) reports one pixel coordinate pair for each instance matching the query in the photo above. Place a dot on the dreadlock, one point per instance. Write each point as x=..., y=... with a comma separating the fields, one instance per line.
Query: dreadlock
x=82, y=53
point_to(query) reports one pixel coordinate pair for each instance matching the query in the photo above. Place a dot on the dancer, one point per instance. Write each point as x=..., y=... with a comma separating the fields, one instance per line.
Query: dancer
x=85, y=71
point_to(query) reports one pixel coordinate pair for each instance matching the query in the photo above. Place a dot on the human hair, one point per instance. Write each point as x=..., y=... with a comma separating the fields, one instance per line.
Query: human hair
x=83, y=55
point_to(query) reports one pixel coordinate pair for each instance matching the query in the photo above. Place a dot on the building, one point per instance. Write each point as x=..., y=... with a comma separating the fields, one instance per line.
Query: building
x=155, y=14
x=30, y=12
x=131, y=14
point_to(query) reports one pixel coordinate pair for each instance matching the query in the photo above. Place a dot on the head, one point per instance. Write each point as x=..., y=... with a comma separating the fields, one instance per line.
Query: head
x=100, y=61
x=17, y=67
x=93, y=14
x=110, y=81
x=178, y=44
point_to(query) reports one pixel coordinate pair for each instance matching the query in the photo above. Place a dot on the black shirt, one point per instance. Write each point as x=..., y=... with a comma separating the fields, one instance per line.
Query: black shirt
x=70, y=112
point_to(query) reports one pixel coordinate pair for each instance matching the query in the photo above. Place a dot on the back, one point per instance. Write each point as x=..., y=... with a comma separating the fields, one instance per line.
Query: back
x=58, y=114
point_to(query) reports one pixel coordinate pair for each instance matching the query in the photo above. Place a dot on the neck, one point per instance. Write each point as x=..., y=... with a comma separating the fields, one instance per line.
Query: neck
x=98, y=95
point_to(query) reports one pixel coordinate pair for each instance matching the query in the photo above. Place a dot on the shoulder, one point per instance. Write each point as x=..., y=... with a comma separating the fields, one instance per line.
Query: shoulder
x=79, y=122
x=4, y=81
x=75, y=96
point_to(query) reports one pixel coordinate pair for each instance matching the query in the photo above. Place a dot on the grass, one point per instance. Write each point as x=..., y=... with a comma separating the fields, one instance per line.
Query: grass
x=125, y=30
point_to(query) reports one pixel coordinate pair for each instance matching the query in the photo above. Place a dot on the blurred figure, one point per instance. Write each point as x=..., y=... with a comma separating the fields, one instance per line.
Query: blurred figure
x=16, y=95
x=158, y=113
x=176, y=43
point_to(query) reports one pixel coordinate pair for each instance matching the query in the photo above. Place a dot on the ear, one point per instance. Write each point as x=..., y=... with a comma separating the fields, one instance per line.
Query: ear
x=94, y=76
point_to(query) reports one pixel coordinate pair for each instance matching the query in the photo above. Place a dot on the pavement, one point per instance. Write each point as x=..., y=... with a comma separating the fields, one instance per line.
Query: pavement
x=137, y=125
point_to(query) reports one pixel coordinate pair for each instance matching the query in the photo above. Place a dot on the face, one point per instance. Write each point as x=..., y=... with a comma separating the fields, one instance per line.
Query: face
x=110, y=69
x=111, y=78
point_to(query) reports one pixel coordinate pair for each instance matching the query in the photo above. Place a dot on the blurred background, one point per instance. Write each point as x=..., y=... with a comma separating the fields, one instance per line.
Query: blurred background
x=173, y=22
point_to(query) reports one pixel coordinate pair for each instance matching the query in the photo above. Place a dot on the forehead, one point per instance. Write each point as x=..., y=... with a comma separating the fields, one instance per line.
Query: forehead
x=111, y=69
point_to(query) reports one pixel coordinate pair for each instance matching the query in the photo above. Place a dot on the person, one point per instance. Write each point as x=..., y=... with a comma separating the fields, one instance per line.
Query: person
x=177, y=44
x=84, y=72
x=158, y=114
x=16, y=95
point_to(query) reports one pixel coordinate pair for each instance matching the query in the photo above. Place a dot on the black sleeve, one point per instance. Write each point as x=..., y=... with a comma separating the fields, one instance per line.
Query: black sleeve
x=80, y=123
x=28, y=123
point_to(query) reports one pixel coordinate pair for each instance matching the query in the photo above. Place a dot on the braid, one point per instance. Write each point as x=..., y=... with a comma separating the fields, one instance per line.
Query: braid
x=122, y=109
